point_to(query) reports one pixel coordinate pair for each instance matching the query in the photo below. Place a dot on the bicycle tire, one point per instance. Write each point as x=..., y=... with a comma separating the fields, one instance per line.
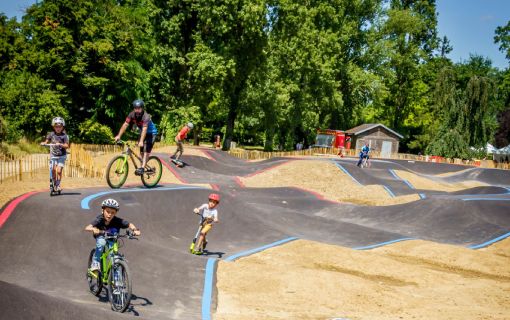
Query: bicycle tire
x=119, y=301
x=122, y=176
x=95, y=284
x=153, y=172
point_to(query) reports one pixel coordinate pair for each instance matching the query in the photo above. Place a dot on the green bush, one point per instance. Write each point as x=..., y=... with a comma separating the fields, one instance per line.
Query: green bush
x=93, y=132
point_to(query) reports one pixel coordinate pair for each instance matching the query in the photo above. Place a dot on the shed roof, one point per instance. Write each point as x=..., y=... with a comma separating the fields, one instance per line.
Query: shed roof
x=368, y=126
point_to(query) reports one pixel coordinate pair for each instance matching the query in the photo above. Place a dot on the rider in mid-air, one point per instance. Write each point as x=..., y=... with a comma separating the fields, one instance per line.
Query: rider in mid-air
x=209, y=215
x=58, y=152
x=178, y=140
x=107, y=222
x=364, y=154
x=147, y=131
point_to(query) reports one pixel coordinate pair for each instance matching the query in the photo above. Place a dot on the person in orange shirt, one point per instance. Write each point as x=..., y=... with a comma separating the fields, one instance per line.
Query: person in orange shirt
x=179, y=139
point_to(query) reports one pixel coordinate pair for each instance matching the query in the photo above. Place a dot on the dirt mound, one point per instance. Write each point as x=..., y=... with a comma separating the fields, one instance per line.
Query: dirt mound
x=407, y=280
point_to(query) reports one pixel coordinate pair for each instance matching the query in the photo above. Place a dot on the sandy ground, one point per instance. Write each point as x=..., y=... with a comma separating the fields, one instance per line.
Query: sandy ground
x=421, y=182
x=408, y=280
x=326, y=179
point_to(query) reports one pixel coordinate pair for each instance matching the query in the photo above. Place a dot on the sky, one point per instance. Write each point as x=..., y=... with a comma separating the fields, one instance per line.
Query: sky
x=468, y=24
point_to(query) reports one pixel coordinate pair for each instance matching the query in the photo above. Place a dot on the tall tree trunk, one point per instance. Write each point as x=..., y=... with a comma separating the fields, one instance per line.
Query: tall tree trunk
x=229, y=133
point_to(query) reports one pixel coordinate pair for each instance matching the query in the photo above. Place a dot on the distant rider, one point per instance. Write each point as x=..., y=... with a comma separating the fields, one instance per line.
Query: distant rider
x=364, y=154
x=146, y=128
x=58, y=151
x=179, y=138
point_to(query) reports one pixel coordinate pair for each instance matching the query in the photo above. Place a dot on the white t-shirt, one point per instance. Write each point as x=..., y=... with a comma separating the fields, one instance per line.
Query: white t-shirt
x=208, y=213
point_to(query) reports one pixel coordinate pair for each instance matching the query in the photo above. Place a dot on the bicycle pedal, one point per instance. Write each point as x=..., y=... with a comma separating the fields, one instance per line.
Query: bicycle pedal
x=93, y=273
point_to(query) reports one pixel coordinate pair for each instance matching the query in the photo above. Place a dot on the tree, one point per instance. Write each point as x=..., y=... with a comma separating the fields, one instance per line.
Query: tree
x=411, y=34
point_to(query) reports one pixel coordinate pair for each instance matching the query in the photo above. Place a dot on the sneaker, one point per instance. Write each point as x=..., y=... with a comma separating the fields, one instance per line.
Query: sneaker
x=139, y=171
x=199, y=252
x=172, y=156
x=95, y=266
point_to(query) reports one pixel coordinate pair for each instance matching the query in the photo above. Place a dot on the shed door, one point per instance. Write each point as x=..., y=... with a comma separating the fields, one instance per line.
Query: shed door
x=386, y=149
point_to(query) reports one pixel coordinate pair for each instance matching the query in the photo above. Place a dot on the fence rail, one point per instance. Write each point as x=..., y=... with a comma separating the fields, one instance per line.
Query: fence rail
x=261, y=155
x=80, y=163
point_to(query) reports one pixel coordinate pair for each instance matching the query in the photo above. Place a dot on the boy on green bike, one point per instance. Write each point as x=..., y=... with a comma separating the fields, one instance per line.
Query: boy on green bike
x=209, y=215
x=107, y=222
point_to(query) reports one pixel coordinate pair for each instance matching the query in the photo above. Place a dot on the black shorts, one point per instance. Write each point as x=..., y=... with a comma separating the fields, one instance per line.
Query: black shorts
x=148, y=143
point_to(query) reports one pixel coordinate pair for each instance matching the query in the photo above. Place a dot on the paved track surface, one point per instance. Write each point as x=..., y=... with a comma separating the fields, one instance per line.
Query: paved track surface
x=44, y=250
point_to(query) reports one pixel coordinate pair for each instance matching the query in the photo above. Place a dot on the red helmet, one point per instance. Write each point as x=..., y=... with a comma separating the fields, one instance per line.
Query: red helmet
x=215, y=197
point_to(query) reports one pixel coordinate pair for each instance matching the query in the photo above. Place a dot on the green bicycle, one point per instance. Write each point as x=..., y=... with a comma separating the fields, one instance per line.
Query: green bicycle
x=118, y=168
x=114, y=273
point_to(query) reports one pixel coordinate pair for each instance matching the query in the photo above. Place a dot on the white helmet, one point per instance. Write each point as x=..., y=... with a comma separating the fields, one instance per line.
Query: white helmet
x=190, y=125
x=58, y=120
x=110, y=203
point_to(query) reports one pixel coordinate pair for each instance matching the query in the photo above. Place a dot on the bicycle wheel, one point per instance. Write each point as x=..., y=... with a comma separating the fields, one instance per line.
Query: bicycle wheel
x=119, y=286
x=152, y=173
x=117, y=172
x=95, y=283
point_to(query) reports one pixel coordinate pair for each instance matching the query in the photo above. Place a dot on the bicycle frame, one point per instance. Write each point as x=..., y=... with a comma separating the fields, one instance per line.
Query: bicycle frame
x=107, y=259
x=128, y=153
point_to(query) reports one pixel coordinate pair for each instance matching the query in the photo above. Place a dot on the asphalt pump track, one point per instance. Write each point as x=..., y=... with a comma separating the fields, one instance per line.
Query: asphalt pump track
x=44, y=249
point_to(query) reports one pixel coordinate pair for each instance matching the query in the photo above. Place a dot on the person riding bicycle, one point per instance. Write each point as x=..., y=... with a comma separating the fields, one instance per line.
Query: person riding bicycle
x=209, y=215
x=364, y=154
x=147, y=131
x=58, y=152
x=179, y=138
x=107, y=222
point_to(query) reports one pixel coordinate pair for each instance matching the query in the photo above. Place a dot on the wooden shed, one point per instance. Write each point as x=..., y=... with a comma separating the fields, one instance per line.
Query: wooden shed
x=379, y=137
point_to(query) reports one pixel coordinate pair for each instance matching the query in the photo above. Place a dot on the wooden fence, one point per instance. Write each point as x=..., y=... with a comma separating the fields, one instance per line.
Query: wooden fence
x=80, y=163
x=260, y=155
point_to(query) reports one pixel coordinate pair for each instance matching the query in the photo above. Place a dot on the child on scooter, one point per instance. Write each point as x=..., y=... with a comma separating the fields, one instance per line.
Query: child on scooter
x=59, y=141
x=209, y=216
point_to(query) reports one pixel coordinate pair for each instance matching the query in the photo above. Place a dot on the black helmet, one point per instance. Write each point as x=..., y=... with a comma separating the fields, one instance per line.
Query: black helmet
x=138, y=103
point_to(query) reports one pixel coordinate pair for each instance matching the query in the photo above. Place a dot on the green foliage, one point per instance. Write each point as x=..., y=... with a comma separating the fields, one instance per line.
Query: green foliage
x=261, y=72
x=28, y=104
x=90, y=131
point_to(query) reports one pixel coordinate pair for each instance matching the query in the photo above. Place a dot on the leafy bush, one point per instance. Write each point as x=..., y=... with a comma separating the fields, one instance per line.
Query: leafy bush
x=93, y=132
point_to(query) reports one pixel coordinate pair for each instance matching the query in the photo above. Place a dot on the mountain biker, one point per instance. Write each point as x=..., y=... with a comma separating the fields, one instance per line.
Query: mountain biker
x=58, y=152
x=146, y=128
x=179, y=138
x=107, y=222
x=209, y=216
x=364, y=154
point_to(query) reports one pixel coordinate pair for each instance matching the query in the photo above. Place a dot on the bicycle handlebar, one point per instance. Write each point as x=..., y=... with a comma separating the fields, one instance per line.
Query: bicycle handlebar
x=129, y=234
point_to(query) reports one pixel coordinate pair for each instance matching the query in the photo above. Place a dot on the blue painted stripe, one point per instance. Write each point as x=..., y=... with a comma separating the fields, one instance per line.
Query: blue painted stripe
x=346, y=172
x=394, y=174
x=485, y=199
x=485, y=244
x=208, y=289
x=85, y=201
x=252, y=251
x=403, y=180
x=389, y=191
x=382, y=244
